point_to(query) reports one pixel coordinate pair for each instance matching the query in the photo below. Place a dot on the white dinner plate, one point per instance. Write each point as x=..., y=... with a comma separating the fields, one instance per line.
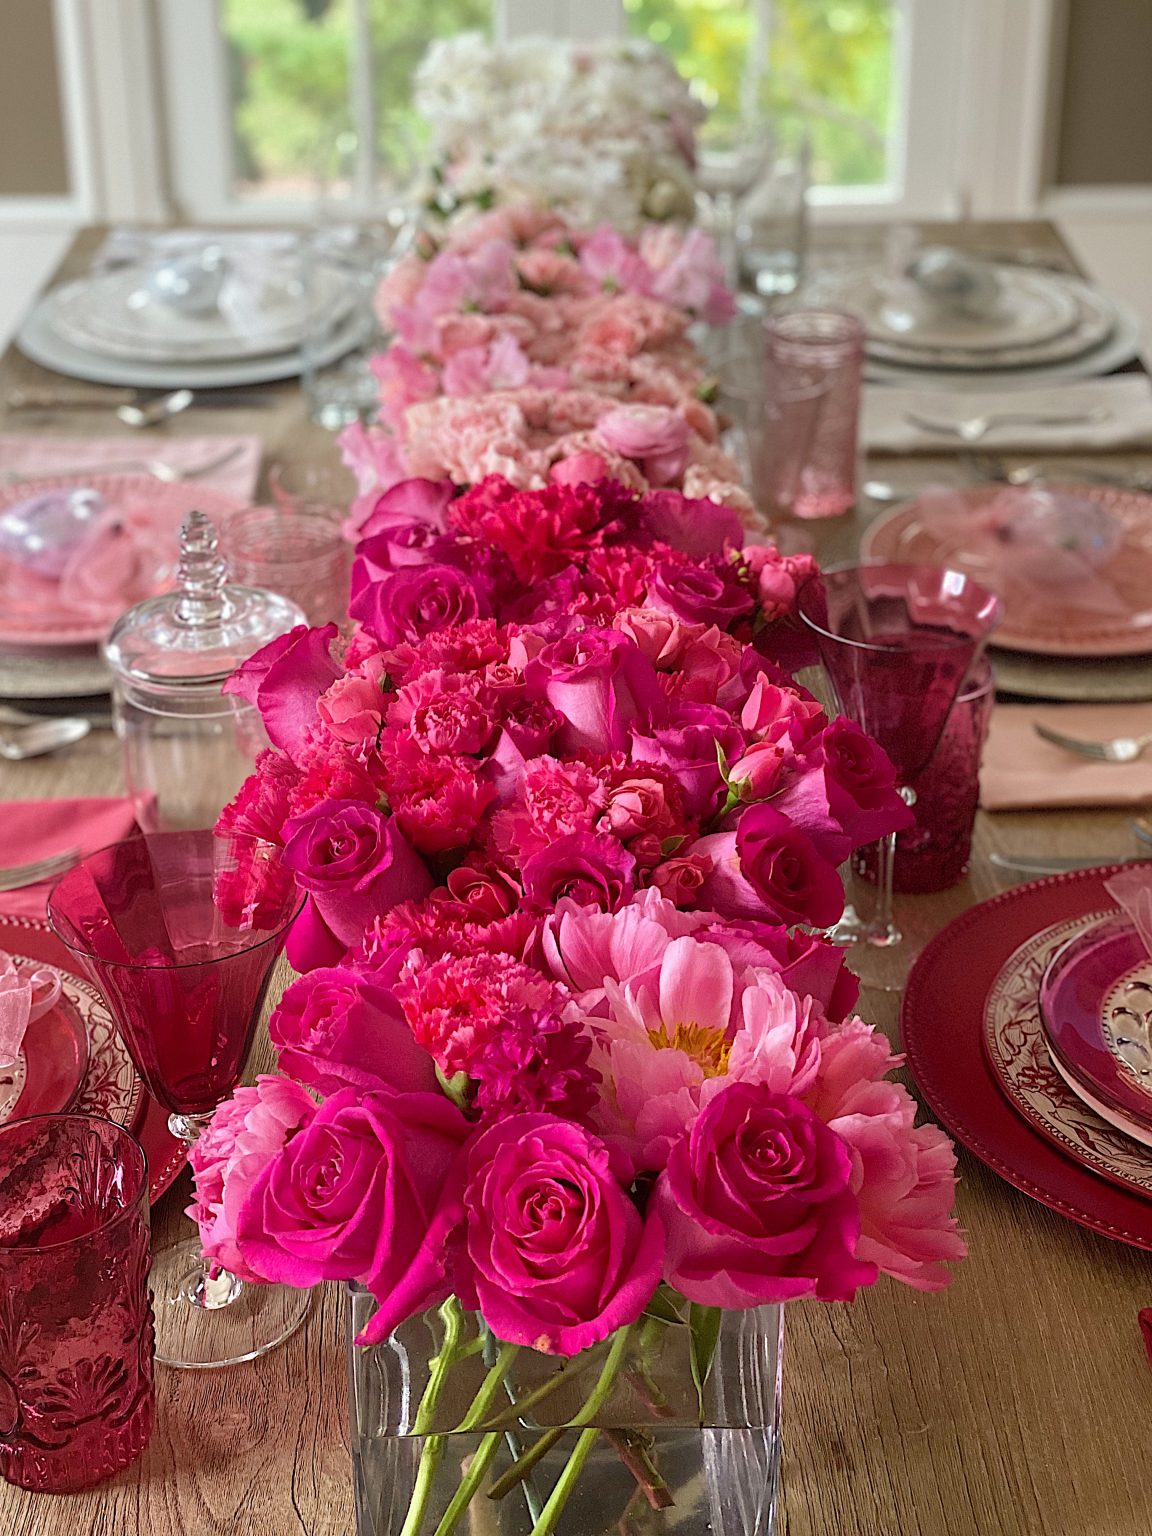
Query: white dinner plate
x=1120, y=348
x=38, y=339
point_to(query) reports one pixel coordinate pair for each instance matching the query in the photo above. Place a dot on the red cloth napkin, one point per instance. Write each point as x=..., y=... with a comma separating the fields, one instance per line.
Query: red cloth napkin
x=37, y=829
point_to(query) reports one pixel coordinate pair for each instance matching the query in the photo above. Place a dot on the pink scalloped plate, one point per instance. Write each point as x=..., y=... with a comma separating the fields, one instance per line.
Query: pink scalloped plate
x=109, y=1085
x=32, y=612
x=942, y=1022
x=1051, y=628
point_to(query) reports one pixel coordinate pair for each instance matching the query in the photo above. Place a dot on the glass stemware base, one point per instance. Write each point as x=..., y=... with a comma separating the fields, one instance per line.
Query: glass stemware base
x=207, y=1317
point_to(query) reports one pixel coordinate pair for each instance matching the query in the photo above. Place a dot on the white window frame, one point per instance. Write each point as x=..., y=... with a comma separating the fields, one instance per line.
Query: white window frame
x=971, y=132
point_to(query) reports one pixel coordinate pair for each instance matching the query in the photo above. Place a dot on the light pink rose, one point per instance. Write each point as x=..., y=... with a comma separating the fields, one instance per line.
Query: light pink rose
x=655, y=438
x=353, y=708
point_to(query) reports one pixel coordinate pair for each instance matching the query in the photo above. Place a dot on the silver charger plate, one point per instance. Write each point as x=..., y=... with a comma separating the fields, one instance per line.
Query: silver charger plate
x=37, y=338
x=1068, y=680
x=71, y=674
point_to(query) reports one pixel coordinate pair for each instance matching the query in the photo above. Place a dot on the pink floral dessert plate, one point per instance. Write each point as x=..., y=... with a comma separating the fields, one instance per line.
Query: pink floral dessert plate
x=1096, y=1007
x=49, y=1068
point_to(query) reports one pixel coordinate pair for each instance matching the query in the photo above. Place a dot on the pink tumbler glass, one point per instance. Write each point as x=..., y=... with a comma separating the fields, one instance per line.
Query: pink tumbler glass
x=76, y=1401
x=805, y=463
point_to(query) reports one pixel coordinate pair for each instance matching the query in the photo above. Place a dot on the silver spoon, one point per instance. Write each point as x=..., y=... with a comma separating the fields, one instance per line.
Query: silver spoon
x=45, y=736
x=155, y=411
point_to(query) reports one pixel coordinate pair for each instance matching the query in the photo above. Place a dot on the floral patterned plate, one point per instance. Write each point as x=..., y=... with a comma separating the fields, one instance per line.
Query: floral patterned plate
x=109, y=1086
x=1018, y=1053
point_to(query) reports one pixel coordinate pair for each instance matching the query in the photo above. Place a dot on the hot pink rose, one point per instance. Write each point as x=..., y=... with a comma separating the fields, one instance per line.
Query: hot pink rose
x=355, y=863
x=246, y=1133
x=284, y=679
x=410, y=501
x=848, y=795
x=335, y=1028
x=757, y=1205
x=601, y=684
x=770, y=870
x=700, y=593
x=559, y=1255
x=352, y=1197
x=417, y=601
x=593, y=870
x=685, y=744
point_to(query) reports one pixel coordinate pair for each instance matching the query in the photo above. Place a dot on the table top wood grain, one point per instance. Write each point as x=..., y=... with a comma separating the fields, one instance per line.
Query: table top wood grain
x=1012, y=1404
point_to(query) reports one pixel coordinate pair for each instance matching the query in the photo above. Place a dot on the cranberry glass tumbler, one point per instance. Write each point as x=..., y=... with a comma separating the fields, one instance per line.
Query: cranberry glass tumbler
x=76, y=1401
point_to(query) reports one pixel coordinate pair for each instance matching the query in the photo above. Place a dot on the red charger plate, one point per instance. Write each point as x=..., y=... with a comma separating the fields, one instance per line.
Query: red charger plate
x=941, y=1021
x=149, y=1123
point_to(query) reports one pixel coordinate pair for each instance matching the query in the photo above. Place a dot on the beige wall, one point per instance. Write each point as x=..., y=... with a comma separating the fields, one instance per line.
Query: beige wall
x=33, y=162
x=1104, y=116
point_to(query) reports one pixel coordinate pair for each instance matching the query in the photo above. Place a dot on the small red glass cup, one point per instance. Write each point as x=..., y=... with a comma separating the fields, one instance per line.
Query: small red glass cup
x=804, y=465
x=934, y=854
x=76, y=1398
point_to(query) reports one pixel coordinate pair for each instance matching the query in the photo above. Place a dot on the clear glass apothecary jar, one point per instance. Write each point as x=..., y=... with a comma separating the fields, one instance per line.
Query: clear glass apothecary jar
x=187, y=745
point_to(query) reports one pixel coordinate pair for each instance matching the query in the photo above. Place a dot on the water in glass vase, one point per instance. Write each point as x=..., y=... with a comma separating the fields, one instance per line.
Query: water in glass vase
x=538, y=1461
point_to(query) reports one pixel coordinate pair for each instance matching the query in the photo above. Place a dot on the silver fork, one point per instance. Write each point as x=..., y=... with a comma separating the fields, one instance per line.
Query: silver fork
x=972, y=428
x=1120, y=749
x=169, y=473
x=16, y=876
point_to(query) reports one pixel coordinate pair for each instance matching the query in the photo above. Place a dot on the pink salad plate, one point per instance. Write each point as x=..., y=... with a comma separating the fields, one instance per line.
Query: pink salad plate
x=1042, y=619
x=943, y=1023
x=36, y=612
x=108, y=1085
x=46, y=1076
x=1096, y=1009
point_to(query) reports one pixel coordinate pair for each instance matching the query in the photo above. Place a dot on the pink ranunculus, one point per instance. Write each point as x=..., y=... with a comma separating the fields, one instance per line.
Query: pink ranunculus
x=602, y=685
x=558, y=1254
x=652, y=436
x=284, y=679
x=418, y=601
x=848, y=797
x=696, y=527
x=354, y=862
x=757, y=1205
x=904, y=1176
x=246, y=1133
x=353, y=707
x=353, y=1197
x=336, y=1028
x=585, y=866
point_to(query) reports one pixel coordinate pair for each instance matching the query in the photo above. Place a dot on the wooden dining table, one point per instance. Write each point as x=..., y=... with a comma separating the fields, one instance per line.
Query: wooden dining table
x=1013, y=1404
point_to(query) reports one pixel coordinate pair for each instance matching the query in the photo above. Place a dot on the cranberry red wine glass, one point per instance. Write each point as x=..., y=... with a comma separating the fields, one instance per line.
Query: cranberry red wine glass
x=180, y=932
x=896, y=642
x=76, y=1399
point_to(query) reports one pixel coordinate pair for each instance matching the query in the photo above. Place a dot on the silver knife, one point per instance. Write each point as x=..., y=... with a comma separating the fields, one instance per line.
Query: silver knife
x=1054, y=866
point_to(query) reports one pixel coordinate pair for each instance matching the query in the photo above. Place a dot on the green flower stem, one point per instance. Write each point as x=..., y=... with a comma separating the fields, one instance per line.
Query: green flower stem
x=558, y=1498
x=432, y=1452
x=469, y=1483
x=482, y=1402
x=521, y=1406
x=633, y=1450
x=524, y=1463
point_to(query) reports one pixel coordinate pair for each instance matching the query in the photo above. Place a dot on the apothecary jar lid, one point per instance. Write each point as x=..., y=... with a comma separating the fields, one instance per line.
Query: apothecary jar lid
x=196, y=635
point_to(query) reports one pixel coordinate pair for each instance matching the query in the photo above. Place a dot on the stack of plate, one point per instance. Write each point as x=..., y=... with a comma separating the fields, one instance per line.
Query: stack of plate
x=1079, y=645
x=115, y=327
x=1026, y=1023
x=1046, y=326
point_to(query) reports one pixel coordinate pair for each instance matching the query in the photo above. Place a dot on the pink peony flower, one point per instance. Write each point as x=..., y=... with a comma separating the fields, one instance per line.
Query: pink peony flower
x=757, y=1205
x=559, y=1257
x=245, y=1134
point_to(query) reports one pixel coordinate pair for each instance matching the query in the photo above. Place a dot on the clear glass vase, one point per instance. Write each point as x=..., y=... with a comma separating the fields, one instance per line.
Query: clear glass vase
x=451, y=1431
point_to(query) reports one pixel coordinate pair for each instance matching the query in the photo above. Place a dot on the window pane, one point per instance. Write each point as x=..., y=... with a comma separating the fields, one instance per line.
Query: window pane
x=831, y=62
x=291, y=79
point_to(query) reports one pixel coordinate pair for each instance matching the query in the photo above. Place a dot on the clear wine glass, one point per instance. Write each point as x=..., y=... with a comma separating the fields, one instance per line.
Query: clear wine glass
x=180, y=932
x=896, y=643
x=731, y=156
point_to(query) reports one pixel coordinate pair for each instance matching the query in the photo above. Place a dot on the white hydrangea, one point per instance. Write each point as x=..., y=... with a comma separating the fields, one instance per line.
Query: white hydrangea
x=603, y=132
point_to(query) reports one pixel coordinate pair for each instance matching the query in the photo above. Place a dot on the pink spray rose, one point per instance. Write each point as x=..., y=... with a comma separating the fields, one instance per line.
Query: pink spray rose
x=353, y=1195
x=353, y=707
x=246, y=1133
x=336, y=1028
x=757, y=1205
x=354, y=862
x=559, y=1256
x=284, y=679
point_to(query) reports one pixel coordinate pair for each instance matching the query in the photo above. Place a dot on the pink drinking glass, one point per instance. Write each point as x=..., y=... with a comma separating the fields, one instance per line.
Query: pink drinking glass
x=76, y=1399
x=896, y=642
x=180, y=932
x=934, y=854
x=804, y=464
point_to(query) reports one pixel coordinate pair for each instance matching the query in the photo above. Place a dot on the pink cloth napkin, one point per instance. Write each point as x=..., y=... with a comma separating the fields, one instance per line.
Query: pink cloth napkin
x=37, y=829
x=1021, y=771
x=46, y=455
